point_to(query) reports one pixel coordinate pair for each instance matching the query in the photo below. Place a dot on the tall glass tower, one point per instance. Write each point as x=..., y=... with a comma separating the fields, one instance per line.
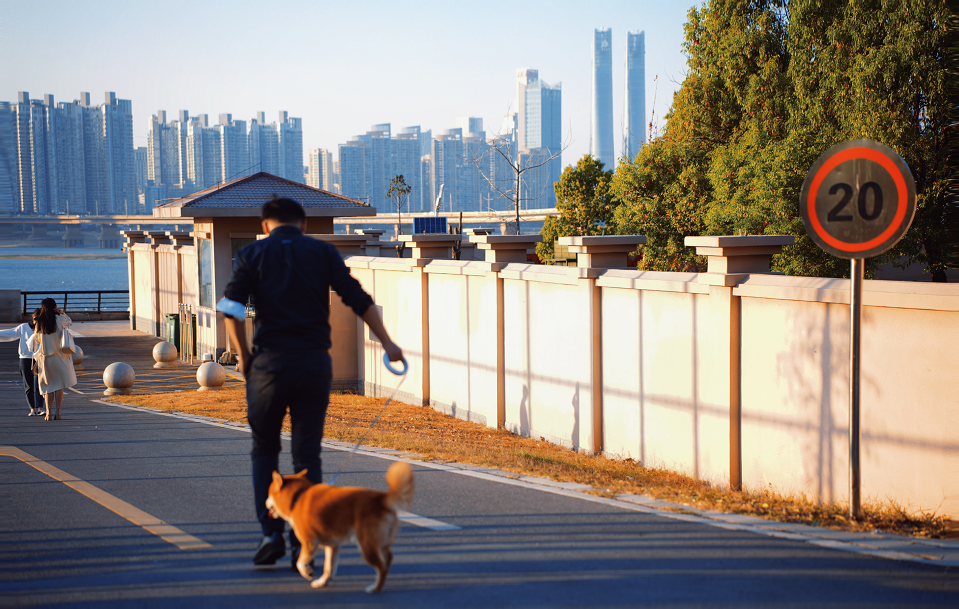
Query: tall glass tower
x=539, y=126
x=634, y=120
x=601, y=123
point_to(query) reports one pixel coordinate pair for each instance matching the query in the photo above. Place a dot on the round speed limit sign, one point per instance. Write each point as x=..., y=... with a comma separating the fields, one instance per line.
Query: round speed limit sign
x=858, y=199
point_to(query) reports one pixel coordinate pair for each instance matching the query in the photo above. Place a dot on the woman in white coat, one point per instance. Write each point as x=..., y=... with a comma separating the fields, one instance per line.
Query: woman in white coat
x=56, y=366
x=23, y=333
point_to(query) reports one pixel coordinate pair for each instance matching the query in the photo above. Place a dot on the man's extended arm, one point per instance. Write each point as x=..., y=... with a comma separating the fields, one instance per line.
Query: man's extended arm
x=375, y=322
x=237, y=330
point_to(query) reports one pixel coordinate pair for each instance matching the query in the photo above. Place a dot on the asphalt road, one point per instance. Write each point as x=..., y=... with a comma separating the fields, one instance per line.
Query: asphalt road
x=487, y=542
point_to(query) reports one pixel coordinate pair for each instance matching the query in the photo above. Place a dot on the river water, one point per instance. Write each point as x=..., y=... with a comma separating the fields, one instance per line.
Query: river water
x=35, y=269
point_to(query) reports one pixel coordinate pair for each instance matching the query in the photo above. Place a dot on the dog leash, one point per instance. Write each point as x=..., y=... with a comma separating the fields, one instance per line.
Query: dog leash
x=399, y=373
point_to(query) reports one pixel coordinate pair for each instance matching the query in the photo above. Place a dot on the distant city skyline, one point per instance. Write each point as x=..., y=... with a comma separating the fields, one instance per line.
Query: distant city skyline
x=411, y=84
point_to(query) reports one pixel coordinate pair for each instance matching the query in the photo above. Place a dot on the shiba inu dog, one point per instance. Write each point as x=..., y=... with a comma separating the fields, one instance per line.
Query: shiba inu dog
x=325, y=515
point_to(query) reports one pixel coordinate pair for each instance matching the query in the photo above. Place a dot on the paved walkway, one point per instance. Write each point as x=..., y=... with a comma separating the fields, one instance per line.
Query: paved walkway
x=121, y=506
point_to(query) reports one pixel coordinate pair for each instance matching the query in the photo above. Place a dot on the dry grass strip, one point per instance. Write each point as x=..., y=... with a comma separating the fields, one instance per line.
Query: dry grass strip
x=442, y=438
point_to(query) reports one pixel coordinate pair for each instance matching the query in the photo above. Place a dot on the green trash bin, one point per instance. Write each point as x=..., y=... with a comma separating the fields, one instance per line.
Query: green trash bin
x=172, y=334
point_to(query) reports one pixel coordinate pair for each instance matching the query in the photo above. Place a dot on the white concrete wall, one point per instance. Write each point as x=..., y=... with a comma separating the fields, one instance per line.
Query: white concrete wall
x=548, y=349
x=795, y=399
x=655, y=400
x=666, y=360
x=144, y=291
x=463, y=335
x=398, y=287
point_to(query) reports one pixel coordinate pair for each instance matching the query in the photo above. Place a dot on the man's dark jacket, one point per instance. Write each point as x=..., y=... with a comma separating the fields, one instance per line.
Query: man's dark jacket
x=287, y=277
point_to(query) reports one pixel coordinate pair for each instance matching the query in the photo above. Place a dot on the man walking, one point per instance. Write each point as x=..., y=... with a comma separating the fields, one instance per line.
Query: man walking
x=287, y=277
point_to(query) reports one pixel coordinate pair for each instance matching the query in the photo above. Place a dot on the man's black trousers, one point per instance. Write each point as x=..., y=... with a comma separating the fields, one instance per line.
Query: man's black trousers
x=277, y=381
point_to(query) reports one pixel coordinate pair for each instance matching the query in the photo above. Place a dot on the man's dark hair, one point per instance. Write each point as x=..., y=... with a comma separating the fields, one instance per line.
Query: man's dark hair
x=285, y=211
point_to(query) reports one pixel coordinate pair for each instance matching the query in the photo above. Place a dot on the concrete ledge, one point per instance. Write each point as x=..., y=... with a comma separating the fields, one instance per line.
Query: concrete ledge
x=726, y=280
x=653, y=281
x=385, y=264
x=565, y=275
x=726, y=241
x=464, y=267
x=893, y=294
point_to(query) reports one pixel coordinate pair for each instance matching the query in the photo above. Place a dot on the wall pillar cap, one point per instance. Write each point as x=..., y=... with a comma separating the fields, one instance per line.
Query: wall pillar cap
x=435, y=246
x=373, y=233
x=586, y=242
x=738, y=254
x=505, y=248
x=602, y=251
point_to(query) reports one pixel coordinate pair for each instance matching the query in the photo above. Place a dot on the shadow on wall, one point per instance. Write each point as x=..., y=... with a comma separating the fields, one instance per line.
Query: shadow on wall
x=810, y=395
x=525, y=425
x=575, y=433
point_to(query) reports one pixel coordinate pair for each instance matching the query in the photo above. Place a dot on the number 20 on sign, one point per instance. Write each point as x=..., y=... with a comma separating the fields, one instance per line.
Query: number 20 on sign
x=858, y=200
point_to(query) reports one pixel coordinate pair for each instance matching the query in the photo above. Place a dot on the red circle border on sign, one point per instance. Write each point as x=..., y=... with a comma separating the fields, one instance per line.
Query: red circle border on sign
x=851, y=154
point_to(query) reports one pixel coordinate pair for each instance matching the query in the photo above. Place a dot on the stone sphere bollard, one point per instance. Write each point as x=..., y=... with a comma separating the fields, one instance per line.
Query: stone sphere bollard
x=165, y=355
x=77, y=357
x=211, y=376
x=118, y=377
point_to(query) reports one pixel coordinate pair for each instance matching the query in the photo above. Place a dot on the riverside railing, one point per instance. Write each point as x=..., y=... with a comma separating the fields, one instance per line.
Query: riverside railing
x=77, y=301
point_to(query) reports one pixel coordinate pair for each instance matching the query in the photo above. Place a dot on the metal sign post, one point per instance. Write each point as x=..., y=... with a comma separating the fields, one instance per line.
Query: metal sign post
x=857, y=201
x=856, y=274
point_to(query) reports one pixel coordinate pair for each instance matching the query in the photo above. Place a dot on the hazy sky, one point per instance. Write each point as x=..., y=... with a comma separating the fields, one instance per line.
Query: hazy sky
x=340, y=66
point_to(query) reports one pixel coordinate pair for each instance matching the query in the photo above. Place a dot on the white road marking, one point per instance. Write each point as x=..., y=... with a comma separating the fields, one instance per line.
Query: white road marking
x=426, y=523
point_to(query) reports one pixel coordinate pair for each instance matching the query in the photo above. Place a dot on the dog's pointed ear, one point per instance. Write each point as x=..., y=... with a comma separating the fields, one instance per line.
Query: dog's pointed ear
x=301, y=474
x=277, y=478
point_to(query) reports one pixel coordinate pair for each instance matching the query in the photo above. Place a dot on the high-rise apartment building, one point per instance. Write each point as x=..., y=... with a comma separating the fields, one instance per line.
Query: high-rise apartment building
x=117, y=145
x=68, y=158
x=353, y=176
x=634, y=115
x=204, y=153
x=264, y=145
x=140, y=163
x=163, y=152
x=406, y=161
x=9, y=182
x=378, y=168
x=277, y=148
x=601, y=120
x=319, y=174
x=447, y=157
x=539, y=124
x=235, y=158
x=290, y=138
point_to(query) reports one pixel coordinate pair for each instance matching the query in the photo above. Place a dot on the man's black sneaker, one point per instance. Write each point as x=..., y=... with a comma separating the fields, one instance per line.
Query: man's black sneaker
x=271, y=548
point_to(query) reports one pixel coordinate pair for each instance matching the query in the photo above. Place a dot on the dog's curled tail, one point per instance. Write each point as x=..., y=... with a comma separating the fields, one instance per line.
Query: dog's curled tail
x=400, y=478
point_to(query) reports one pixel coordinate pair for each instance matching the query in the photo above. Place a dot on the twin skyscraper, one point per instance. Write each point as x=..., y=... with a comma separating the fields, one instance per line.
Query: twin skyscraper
x=601, y=142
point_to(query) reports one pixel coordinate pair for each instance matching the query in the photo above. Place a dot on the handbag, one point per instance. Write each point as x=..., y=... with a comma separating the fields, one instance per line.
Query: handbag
x=35, y=366
x=67, y=345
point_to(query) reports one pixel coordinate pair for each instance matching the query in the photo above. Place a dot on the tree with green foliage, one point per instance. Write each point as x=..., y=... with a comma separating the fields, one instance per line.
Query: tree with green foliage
x=584, y=202
x=398, y=190
x=771, y=86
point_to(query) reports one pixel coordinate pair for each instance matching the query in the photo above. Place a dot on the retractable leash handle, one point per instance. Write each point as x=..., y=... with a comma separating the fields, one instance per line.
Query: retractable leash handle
x=389, y=365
